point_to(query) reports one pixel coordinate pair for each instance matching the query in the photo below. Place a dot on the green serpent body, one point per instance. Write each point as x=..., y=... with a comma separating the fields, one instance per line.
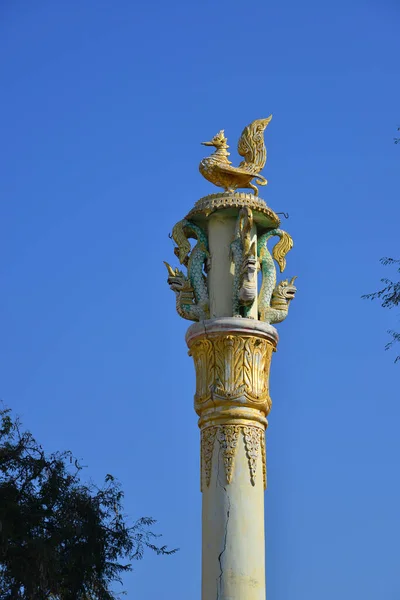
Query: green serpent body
x=195, y=260
x=267, y=311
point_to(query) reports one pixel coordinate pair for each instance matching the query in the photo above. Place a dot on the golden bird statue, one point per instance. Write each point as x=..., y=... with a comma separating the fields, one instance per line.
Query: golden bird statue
x=218, y=169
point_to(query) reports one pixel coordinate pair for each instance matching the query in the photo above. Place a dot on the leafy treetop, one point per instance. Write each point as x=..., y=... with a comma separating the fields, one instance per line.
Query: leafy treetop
x=61, y=539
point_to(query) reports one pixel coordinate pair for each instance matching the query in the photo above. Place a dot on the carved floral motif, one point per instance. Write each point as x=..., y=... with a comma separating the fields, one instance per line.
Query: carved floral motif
x=207, y=447
x=229, y=364
x=251, y=436
x=231, y=368
x=228, y=438
x=204, y=363
x=264, y=460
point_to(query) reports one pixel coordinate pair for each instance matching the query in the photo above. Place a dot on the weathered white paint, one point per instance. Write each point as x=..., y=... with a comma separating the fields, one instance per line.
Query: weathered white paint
x=221, y=230
x=220, y=277
x=233, y=555
x=233, y=546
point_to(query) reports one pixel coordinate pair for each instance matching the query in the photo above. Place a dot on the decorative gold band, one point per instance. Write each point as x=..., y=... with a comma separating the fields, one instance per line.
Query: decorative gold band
x=265, y=217
x=228, y=437
x=232, y=359
x=232, y=376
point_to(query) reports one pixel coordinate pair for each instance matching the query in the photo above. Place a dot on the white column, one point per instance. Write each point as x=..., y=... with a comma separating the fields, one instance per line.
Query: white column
x=221, y=230
x=232, y=360
x=233, y=555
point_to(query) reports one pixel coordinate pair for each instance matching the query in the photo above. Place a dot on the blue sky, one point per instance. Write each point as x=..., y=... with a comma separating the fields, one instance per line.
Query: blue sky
x=103, y=108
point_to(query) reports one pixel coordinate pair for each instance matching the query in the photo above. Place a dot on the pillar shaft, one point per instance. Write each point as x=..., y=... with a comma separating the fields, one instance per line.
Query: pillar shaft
x=220, y=235
x=232, y=361
x=233, y=556
x=226, y=282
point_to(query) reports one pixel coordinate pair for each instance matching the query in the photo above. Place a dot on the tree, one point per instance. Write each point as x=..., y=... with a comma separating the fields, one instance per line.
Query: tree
x=61, y=539
x=390, y=294
x=389, y=297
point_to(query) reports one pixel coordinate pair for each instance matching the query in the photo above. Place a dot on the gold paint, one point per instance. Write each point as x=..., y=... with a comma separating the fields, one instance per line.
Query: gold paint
x=204, y=362
x=232, y=370
x=257, y=361
x=229, y=366
x=264, y=460
x=218, y=169
x=183, y=245
x=232, y=398
x=207, y=447
x=245, y=225
x=228, y=437
x=171, y=272
x=264, y=216
x=252, y=443
x=281, y=249
x=283, y=294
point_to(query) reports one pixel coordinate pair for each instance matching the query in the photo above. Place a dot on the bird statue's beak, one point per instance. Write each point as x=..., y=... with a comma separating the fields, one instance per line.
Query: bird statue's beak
x=207, y=144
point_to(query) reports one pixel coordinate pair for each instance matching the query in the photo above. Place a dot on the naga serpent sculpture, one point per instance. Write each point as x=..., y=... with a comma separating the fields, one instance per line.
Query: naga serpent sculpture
x=274, y=300
x=192, y=301
x=244, y=258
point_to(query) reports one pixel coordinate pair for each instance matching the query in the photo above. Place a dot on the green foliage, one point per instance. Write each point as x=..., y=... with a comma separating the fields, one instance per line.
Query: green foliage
x=61, y=539
x=389, y=297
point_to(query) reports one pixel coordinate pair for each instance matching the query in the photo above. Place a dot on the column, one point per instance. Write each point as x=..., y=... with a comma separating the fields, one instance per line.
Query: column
x=232, y=361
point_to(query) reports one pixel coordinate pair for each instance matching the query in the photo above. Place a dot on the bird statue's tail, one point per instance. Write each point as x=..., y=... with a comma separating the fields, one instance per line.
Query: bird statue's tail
x=251, y=146
x=261, y=180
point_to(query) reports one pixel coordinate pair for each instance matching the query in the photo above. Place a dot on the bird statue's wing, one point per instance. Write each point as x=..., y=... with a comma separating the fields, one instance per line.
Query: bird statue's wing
x=237, y=170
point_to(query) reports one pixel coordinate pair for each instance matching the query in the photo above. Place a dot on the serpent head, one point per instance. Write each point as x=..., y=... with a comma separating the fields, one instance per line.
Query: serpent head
x=177, y=281
x=285, y=290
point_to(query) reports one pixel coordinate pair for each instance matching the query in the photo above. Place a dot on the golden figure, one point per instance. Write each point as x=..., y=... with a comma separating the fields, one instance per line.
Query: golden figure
x=218, y=169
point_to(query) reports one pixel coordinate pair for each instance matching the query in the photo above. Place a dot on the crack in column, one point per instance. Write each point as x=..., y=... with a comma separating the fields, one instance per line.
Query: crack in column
x=218, y=481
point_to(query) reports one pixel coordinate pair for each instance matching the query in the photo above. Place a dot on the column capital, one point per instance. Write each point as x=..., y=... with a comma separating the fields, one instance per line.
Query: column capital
x=232, y=359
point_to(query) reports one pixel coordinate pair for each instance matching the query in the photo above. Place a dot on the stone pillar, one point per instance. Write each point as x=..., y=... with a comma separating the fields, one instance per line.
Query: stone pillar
x=231, y=343
x=232, y=361
x=220, y=235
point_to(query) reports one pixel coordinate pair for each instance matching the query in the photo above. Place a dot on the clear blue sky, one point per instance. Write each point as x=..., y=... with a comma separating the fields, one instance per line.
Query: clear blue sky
x=103, y=107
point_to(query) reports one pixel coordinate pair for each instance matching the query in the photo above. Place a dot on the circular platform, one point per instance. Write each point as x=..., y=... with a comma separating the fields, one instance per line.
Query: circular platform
x=231, y=203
